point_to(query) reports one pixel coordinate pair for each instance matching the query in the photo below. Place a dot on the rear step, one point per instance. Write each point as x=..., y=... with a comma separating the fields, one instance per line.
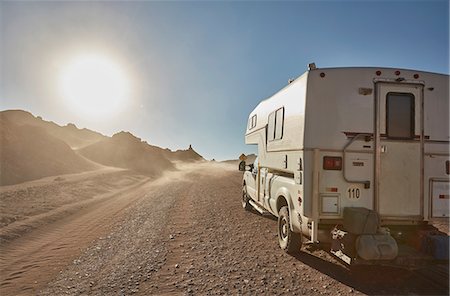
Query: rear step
x=257, y=207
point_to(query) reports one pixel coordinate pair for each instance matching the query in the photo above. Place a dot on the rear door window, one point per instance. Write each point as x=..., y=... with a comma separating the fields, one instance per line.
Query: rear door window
x=400, y=115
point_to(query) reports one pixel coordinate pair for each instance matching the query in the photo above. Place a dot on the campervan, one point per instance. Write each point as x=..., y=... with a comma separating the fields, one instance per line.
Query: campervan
x=355, y=157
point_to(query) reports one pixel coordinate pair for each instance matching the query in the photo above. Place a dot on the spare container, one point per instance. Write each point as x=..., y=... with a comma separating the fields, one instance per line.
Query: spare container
x=439, y=246
x=376, y=247
x=360, y=220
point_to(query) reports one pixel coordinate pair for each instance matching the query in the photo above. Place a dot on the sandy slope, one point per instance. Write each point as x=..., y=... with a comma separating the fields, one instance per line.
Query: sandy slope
x=32, y=148
x=70, y=134
x=124, y=150
x=184, y=233
x=26, y=206
x=29, y=152
x=54, y=219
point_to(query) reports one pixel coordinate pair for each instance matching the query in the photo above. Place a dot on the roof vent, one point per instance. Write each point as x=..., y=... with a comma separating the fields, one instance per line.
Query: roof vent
x=290, y=80
x=312, y=66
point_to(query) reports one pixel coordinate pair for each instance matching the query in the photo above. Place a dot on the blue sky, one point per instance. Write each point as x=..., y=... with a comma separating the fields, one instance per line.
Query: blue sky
x=199, y=68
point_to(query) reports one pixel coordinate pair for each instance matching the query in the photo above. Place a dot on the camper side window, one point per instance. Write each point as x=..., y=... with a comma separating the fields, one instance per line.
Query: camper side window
x=279, y=123
x=271, y=127
x=276, y=125
x=252, y=122
x=400, y=115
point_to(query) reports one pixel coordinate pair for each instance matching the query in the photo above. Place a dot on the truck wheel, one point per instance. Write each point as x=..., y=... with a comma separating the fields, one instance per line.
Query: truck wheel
x=245, y=199
x=289, y=241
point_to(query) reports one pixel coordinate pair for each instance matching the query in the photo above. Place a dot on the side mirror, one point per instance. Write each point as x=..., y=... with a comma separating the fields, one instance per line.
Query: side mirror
x=249, y=167
x=242, y=166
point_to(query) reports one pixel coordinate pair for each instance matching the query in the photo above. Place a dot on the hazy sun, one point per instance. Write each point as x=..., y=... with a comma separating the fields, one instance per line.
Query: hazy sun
x=94, y=86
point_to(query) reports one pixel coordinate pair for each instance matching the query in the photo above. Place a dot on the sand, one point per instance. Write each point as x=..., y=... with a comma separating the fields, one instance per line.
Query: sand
x=29, y=152
x=183, y=233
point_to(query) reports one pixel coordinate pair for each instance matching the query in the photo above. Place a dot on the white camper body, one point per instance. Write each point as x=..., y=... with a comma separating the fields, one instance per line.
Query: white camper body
x=376, y=138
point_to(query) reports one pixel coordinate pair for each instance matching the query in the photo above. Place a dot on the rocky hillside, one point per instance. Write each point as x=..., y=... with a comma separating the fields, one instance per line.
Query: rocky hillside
x=127, y=151
x=188, y=155
x=29, y=152
x=70, y=134
x=32, y=148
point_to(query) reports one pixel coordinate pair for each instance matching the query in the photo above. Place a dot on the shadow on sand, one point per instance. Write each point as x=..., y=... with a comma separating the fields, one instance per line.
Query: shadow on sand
x=376, y=280
x=381, y=280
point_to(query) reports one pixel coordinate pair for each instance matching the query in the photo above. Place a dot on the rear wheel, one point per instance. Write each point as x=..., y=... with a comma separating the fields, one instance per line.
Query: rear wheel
x=289, y=241
x=245, y=199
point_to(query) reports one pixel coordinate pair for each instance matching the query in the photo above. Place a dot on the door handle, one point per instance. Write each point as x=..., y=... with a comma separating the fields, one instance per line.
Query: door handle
x=383, y=149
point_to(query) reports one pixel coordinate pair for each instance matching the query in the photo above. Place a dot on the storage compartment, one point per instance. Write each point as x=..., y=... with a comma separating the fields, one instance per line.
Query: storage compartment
x=376, y=247
x=440, y=198
x=360, y=221
x=330, y=204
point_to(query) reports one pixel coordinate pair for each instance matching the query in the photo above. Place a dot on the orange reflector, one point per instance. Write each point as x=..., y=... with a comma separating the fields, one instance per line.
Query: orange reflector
x=444, y=196
x=416, y=76
x=397, y=72
x=378, y=73
x=331, y=189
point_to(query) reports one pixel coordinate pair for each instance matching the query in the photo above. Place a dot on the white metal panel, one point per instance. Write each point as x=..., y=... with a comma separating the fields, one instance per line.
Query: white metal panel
x=330, y=204
x=334, y=106
x=436, y=107
x=440, y=198
x=359, y=167
x=400, y=173
x=333, y=182
x=399, y=191
x=292, y=97
x=249, y=179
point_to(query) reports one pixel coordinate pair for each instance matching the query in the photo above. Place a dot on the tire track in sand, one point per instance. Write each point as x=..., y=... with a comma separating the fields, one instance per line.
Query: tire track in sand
x=29, y=262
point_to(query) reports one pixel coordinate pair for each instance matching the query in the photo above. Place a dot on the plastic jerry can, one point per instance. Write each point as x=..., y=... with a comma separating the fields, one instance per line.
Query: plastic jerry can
x=376, y=247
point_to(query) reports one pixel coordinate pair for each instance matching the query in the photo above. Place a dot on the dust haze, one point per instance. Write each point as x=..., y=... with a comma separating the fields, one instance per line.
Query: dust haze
x=83, y=213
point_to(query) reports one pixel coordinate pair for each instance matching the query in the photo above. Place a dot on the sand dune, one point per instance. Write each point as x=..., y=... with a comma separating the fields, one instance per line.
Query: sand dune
x=29, y=152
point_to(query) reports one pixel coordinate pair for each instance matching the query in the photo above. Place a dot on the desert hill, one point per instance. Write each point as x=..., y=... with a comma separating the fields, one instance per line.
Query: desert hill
x=32, y=148
x=28, y=152
x=127, y=151
x=189, y=155
x=70, y=134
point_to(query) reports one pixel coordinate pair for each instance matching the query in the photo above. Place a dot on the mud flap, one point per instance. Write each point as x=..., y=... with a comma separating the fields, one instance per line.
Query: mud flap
x=343, y=245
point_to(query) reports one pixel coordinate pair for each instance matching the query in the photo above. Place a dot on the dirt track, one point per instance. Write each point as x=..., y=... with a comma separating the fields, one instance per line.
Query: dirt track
x=185, y=233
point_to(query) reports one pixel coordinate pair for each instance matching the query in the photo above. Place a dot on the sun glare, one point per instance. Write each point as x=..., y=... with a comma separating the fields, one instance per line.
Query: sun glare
x=94, y=86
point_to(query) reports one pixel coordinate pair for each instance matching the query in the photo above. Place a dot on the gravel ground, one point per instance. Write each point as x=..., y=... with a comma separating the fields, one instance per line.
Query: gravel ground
x=191, y=236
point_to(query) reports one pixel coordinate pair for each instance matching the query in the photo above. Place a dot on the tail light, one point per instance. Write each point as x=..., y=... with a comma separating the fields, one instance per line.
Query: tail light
x=332, y=163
